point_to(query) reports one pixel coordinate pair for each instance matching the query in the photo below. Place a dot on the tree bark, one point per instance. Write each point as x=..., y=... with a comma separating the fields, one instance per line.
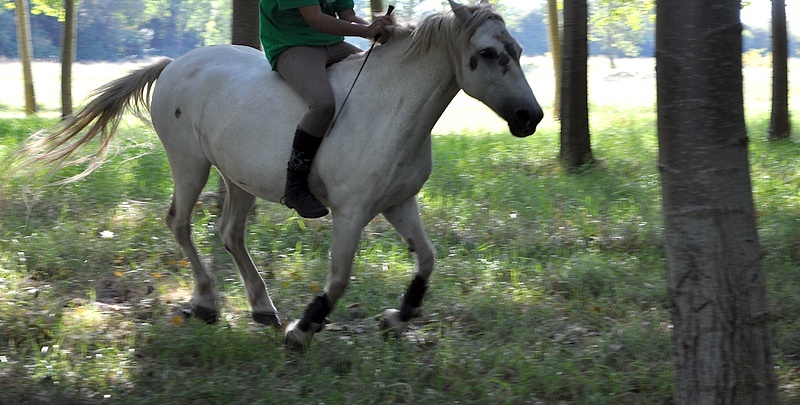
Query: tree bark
x=555, y=52
x=244, y=30
x=779, y=125
x=715, y=277
x=25, y=44
x=68, y=47
x=576, y=149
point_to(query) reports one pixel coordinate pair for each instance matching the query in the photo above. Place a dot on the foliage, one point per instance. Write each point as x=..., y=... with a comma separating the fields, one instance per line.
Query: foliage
x=125, y=28
x=621, y=28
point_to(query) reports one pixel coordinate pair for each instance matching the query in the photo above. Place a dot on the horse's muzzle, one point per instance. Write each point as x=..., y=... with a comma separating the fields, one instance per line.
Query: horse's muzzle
x=523, y=122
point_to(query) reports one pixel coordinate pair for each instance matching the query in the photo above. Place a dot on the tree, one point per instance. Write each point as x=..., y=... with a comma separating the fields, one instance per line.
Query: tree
x=779, y=126
x=554, y=32
x=715, y=278
x=375, y=8
x=244, y=29
x=620, y=27
x=25, y=45
x=576, y=149
x=69, y=43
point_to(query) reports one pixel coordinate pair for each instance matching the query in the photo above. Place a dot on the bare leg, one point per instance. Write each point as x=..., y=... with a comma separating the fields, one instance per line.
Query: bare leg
x=406, y=220
x=232, y=227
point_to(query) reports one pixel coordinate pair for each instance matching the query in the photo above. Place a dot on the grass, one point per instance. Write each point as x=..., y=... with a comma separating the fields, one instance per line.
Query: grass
x=550, y=285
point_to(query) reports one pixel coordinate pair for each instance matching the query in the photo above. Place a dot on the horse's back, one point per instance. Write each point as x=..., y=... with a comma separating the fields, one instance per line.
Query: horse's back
x=224, y=104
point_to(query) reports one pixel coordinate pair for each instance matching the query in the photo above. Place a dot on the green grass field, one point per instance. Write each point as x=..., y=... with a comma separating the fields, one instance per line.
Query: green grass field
x=550, y=285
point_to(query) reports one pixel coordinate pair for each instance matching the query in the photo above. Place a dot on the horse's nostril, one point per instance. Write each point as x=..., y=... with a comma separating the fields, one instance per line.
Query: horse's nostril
x=529, y=117
x=523, y=116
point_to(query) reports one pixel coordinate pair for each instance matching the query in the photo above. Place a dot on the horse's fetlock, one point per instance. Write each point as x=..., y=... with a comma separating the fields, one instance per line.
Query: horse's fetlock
x=416, y=291
x=315, y=313
x=413, y=298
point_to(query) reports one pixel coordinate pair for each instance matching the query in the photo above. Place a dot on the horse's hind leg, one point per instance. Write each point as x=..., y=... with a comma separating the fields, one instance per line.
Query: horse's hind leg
x=406, y=220
x=232, y=226
x=189, y=179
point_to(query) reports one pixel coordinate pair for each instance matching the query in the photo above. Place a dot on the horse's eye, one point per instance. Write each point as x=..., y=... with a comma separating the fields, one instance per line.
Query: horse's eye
x=488, y=53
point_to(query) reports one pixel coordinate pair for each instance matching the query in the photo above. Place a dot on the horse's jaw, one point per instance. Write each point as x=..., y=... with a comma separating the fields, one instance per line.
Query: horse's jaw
x=522, y=113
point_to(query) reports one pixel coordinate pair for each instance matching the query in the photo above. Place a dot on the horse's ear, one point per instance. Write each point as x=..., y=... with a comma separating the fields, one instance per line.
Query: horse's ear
x=459, y=10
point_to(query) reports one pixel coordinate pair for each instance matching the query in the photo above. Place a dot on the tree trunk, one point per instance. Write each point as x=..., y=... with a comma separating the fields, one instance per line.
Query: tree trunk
x=68, y=47
x=244, y=30
x=779, y=125
x=714, y=272
x=555, y=52
x=25, y=44
x=576, y=149
x=376, y=8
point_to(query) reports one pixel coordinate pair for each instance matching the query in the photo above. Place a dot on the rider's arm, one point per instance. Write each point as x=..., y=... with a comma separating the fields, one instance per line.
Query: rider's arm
x=324, y=23
x=350, y=15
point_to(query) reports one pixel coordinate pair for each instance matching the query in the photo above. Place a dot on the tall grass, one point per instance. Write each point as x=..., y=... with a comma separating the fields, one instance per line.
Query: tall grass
x=549, y=285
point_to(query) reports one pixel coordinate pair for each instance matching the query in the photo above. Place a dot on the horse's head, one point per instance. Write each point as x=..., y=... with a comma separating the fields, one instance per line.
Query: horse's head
x=488, y=68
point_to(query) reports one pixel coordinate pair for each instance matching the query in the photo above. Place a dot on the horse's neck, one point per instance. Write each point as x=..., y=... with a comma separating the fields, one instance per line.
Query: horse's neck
x=417, y=90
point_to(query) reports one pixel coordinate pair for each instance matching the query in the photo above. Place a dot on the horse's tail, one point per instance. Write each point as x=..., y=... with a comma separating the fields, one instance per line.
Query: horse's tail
x=58, y=145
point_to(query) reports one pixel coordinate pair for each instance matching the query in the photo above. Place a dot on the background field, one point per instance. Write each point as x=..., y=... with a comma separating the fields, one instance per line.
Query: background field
x=549, y=286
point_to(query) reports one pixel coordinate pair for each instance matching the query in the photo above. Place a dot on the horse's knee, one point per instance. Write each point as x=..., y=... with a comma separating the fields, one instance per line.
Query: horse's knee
x=426, y=261
x=176, y=224
x=335, y=289
x=426, y=257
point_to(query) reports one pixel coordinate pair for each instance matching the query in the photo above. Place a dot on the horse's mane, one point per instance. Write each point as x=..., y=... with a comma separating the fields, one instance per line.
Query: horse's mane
x=437, y=28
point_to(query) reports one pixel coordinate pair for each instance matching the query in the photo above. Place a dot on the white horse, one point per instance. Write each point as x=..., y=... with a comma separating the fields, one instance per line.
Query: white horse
x=223, y=106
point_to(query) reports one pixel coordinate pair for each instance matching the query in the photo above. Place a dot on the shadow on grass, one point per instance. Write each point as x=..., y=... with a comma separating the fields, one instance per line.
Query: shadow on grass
x=549, y=287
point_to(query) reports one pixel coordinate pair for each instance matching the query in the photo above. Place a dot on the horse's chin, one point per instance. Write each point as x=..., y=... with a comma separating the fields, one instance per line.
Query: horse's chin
x=522, y=122
x=521, y=131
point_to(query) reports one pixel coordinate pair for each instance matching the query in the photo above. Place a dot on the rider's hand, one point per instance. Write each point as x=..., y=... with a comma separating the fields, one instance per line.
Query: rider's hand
x=378, y=27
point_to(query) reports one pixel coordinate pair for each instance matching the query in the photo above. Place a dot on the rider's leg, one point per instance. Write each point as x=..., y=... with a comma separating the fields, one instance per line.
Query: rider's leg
x=304, y=68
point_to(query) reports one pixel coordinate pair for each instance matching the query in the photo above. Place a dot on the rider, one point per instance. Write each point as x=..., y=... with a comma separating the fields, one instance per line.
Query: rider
x=301, y=38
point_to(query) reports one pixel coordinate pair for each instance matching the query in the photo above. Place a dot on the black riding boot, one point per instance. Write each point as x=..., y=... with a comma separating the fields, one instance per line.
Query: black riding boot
x=296, y=194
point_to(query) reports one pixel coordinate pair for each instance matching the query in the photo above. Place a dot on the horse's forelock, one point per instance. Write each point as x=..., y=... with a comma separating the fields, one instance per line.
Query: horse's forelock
x=447, y=28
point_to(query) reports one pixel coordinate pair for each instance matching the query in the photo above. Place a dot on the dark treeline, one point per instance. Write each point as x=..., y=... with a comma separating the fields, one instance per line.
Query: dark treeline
x=134, y=29
x=126, y=29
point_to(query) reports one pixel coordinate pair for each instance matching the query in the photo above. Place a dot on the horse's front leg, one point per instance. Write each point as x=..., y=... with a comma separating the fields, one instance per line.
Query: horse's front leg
x=406, y=220
x=346, y=234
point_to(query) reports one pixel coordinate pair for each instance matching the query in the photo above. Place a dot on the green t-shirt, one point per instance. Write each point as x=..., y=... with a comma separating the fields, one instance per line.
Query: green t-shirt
x=282, y=26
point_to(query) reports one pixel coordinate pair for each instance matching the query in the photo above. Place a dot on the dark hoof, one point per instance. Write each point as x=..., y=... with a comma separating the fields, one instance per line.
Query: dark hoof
x=209, y=316
x=267, y=319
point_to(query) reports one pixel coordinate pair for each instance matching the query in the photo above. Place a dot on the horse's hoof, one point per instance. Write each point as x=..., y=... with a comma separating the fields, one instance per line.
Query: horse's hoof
x=391, y=324
x=207, y=315
x=267, y=319
x=299, y=340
